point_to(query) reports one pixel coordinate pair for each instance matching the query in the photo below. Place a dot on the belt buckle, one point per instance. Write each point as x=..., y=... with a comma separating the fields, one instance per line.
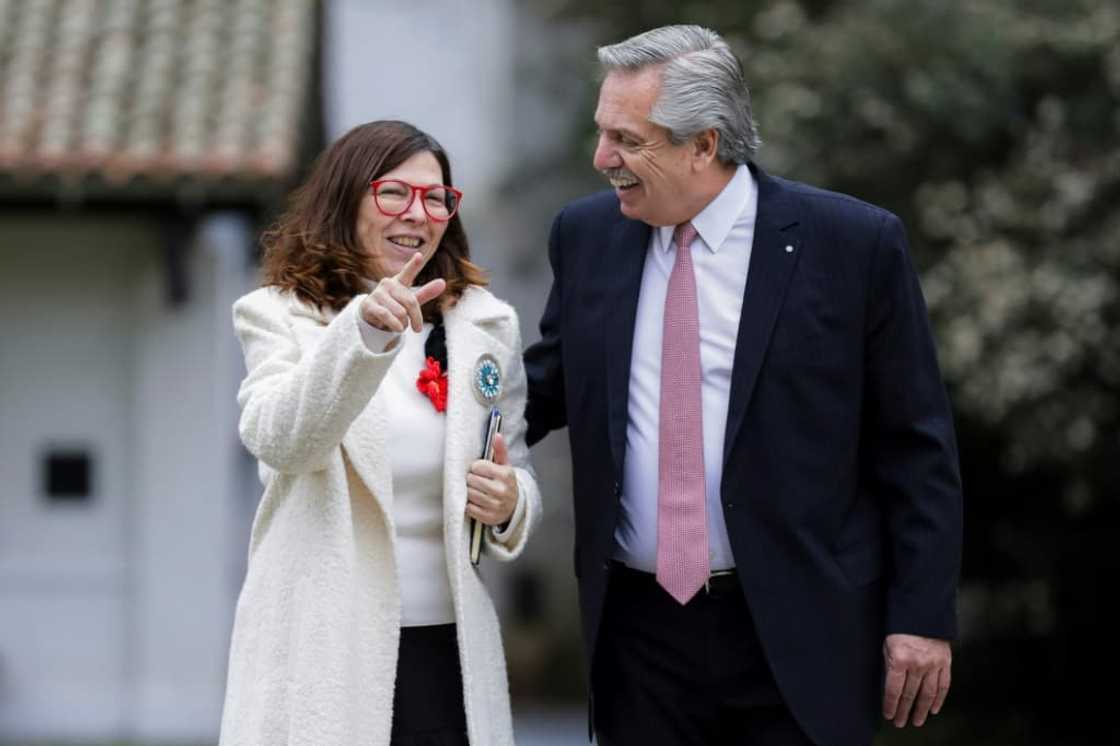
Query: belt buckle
x=715, y=574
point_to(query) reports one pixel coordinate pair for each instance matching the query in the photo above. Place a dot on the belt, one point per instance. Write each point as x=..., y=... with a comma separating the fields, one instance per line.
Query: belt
x=719, y=581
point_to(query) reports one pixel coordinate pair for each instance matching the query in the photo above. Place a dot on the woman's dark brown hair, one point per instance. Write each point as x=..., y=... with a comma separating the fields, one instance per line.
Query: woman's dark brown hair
x=313, y=249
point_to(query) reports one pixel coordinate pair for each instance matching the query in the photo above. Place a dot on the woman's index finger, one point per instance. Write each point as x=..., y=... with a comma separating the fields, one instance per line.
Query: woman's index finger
x=408, y=273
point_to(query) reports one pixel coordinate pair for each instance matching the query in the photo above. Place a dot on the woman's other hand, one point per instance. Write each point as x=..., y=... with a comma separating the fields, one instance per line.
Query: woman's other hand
x=492, y=487
x=394, y=305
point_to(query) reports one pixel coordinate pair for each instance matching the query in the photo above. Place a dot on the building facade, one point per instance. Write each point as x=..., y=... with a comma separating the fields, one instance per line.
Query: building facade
x=141, y=146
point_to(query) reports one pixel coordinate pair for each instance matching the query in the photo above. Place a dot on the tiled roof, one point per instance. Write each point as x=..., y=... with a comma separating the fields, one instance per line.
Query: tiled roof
x=118, y=89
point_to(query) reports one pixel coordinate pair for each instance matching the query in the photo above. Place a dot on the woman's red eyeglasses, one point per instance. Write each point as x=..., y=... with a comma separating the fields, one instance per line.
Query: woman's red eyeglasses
x=393, y=197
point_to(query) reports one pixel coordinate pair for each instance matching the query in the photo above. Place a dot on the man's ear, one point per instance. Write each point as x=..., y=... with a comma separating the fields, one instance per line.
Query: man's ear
x=705, y=146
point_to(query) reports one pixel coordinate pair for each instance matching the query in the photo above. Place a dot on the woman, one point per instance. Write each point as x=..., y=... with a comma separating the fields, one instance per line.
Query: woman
x=362, y=619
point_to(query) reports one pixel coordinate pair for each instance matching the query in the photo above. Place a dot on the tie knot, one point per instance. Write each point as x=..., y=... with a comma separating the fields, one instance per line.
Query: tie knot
x=684, y=235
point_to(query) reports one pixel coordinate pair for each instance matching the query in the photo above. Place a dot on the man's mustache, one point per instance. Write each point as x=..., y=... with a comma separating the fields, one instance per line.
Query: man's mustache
x=614, y=173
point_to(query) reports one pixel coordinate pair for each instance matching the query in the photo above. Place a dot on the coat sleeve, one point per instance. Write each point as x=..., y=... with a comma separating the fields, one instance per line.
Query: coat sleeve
x=544, y=361
x=514, y=428
x=911, y=451
x=297, y=404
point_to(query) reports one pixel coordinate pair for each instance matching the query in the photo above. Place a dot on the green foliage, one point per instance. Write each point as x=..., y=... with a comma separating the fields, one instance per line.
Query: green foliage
x=992, y=128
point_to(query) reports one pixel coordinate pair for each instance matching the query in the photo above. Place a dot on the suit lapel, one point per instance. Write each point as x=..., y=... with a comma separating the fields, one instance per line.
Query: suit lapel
x=774, y=255
x=626, y=253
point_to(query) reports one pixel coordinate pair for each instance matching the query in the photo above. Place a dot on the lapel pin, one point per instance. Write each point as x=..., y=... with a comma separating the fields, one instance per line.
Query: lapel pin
x=789, y=248
x=487, y=383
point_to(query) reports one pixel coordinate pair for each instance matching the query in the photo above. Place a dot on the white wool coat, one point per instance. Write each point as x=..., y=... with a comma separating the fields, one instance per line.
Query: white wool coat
x=314, y=651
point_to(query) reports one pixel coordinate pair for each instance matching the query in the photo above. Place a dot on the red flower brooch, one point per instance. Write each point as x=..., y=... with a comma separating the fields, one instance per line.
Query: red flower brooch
x=432, y=383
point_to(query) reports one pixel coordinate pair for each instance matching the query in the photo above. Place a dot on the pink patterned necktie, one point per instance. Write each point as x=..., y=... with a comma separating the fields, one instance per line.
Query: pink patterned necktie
x=682, y=511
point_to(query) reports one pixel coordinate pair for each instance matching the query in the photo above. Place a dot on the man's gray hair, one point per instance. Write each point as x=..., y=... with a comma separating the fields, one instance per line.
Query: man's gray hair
x=702, y=86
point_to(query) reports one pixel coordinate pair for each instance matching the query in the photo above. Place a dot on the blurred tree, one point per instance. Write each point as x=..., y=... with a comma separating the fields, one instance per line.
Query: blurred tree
x=992, y=127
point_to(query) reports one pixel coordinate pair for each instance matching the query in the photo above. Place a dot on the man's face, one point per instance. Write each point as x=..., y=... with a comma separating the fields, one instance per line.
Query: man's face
x=652, y=178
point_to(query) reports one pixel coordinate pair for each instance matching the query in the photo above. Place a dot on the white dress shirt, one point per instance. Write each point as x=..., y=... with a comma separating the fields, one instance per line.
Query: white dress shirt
x=721, y=258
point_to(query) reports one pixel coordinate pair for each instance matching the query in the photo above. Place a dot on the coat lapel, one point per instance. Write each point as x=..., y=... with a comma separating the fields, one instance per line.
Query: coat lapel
x=626, y=253
x=467, y=340
x=774, y=255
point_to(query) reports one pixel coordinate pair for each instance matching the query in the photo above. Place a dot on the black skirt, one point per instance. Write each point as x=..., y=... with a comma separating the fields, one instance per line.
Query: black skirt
x=428, y=698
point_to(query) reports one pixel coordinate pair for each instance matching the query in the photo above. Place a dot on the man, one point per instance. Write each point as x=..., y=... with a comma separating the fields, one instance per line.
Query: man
x=767, y=497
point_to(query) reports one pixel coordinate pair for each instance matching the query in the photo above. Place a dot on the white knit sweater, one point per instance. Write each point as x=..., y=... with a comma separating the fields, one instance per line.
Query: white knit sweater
x=416, y=455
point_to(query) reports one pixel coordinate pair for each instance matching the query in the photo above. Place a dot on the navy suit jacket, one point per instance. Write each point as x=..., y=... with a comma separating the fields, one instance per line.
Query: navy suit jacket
x=840, y=488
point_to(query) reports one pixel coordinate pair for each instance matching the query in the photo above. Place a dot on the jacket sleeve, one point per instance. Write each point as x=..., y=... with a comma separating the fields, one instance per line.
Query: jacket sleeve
x=296, y=405
x=544, y=360
x=514, y=428
x=911, y=453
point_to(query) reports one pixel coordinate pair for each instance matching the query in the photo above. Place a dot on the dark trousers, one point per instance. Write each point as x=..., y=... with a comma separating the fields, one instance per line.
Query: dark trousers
x=673, y=675
x=428, y=698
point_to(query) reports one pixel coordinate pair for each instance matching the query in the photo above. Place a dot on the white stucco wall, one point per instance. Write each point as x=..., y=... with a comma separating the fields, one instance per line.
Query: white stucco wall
x=445, y=66
x=189, y=528
x=116, y=613
x=65, y=378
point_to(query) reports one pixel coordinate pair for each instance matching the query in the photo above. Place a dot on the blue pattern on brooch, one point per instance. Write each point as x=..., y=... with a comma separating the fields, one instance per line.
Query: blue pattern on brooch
x=488, y=378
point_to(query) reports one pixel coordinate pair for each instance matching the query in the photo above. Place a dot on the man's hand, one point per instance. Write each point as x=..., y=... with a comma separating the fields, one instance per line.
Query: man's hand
x=917, y=677
x=394, y=305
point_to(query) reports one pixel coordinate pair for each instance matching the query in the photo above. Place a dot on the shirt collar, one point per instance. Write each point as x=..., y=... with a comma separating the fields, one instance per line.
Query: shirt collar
x=715, y=221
